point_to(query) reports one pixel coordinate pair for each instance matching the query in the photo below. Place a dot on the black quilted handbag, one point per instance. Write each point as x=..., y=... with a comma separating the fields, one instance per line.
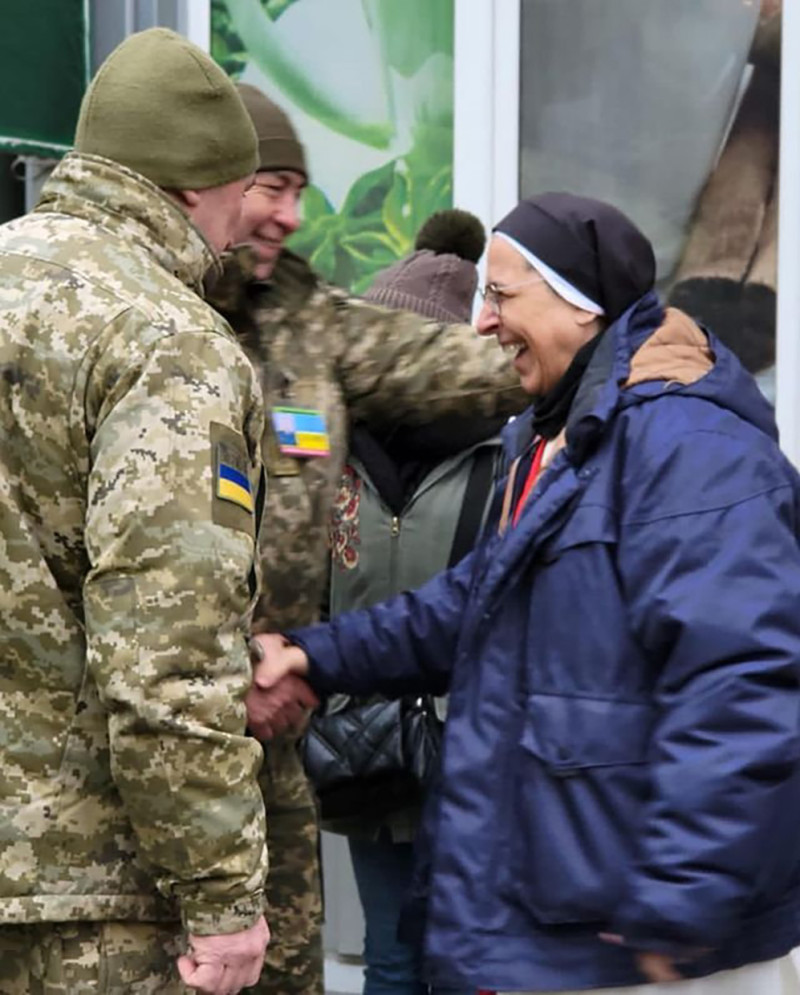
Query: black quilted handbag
x=369, y=758
x=373, y=757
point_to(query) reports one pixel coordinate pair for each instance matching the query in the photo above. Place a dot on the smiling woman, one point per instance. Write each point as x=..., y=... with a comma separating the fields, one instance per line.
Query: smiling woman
x=618, y=798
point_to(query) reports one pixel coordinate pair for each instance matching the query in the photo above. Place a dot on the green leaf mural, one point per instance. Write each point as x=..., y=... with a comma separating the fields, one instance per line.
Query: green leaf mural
x=377, y=220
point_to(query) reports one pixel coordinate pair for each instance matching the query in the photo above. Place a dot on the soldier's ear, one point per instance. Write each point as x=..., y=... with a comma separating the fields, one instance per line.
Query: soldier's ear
x=186, y=198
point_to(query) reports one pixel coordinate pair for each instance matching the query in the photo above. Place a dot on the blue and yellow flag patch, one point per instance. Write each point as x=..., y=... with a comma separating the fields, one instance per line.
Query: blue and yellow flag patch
x=234, y=486
x=236, y=498
x=232, y=482
x=301, y=432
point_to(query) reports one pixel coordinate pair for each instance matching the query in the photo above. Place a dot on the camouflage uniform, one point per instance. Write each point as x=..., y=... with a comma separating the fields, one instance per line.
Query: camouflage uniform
x=128, y=789
x=79, y=958
x=317, y=348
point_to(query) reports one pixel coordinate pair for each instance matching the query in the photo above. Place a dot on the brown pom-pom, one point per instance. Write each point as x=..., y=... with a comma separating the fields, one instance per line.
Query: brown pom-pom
x=453, y=231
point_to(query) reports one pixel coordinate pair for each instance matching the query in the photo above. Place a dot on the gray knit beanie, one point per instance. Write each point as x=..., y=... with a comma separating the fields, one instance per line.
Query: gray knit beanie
x=439, y=279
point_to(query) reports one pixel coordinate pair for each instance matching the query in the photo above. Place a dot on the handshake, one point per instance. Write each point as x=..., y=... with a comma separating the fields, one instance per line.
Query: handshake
x=279, y=700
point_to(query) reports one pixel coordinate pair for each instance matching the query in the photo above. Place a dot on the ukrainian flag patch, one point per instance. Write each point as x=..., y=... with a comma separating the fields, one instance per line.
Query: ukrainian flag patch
x=232, y=482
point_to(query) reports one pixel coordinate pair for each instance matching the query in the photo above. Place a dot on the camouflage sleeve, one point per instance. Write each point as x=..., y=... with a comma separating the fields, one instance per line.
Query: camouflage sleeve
x=396, y=365
x=167, y=599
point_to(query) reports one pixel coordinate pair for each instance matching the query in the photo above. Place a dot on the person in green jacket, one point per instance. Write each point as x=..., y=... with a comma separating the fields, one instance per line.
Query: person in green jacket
x=411, y=502
x=322, y=355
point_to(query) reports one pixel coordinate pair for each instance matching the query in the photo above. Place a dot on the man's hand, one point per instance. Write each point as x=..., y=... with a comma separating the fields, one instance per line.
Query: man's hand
x=224, y=964
x=284, y=706
x=278, y=699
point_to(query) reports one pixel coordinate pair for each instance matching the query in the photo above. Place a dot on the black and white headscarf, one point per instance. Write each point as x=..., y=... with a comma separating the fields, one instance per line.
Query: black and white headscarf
x=586, y=250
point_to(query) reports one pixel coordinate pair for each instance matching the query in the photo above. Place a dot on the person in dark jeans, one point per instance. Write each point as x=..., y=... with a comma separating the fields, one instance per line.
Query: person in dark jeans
x=399, y=519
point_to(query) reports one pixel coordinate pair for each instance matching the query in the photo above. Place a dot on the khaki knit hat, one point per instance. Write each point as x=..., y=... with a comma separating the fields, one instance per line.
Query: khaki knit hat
x=162, y=107
x=440, y=278
x=278, y=144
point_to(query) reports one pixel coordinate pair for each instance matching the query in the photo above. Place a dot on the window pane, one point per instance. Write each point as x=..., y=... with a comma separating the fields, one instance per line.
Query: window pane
x=668, y=109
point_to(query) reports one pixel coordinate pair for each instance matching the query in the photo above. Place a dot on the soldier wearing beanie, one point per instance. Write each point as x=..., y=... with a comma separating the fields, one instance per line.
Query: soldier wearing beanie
x=159, y=106
x=324, y=360
x=133, y=827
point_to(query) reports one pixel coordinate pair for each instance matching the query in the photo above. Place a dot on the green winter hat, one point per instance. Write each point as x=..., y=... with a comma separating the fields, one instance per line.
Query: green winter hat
x=278, y=144
x=162, y=107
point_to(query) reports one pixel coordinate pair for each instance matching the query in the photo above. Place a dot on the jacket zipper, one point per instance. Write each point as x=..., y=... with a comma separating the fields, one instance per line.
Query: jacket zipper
x=394, y=533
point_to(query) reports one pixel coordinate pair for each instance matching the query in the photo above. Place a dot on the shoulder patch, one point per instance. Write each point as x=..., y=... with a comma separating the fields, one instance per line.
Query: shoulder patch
x=233, y=498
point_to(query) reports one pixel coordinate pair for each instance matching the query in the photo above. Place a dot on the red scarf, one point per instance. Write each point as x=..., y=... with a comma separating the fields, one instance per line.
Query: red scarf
x=530, y=480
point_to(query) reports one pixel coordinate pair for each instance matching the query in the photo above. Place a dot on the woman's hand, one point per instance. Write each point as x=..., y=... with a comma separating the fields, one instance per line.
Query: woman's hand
x=657, y=968
x=273, y=656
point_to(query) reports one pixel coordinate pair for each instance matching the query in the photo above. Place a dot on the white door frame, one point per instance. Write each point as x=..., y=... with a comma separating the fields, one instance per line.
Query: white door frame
x=788, y=316
x=486, y=99
x=194, y=21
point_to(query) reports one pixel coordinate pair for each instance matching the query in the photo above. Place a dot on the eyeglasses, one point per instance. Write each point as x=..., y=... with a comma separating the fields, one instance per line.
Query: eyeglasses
x=493, y=294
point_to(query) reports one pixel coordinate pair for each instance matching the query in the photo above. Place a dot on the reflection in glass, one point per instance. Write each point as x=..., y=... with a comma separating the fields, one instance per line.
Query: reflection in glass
x=667, y=108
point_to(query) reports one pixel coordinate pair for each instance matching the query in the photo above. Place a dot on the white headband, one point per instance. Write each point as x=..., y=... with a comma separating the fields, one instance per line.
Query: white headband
x=561, y=286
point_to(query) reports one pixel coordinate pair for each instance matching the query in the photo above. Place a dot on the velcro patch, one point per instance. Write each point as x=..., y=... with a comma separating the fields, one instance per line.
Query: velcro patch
x=235, y=503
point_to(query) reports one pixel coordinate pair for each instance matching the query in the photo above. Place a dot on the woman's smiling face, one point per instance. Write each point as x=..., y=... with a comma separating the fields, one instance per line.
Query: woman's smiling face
x=532, y=323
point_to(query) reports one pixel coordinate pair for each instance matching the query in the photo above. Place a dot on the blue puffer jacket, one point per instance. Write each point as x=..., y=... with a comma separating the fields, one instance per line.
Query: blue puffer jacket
x=622, y=747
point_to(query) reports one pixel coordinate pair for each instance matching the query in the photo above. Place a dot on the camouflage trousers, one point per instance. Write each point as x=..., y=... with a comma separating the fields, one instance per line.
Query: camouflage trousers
x=91, y=958
x=294, y=961
x=117, y=958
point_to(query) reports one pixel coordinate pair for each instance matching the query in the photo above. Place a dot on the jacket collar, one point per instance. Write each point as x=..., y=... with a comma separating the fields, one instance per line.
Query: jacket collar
x=130, y=206
x=292, y=282
x=599, y=394
x=226, y=287
x=646, y=344
x=677, y=352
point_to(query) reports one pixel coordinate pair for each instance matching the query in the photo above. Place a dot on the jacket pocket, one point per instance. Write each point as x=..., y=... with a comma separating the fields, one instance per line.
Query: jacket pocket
x=578, y=785
x=586, y=524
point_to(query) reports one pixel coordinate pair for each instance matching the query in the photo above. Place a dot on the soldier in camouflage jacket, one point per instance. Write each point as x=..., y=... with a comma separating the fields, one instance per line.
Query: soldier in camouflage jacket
x=129, y=468
x=318, y=349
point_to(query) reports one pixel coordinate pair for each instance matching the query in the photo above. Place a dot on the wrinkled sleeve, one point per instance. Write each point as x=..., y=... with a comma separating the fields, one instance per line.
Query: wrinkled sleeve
x=396, y=366
x=713, y=599
x=166, y=600
x=405, y=645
